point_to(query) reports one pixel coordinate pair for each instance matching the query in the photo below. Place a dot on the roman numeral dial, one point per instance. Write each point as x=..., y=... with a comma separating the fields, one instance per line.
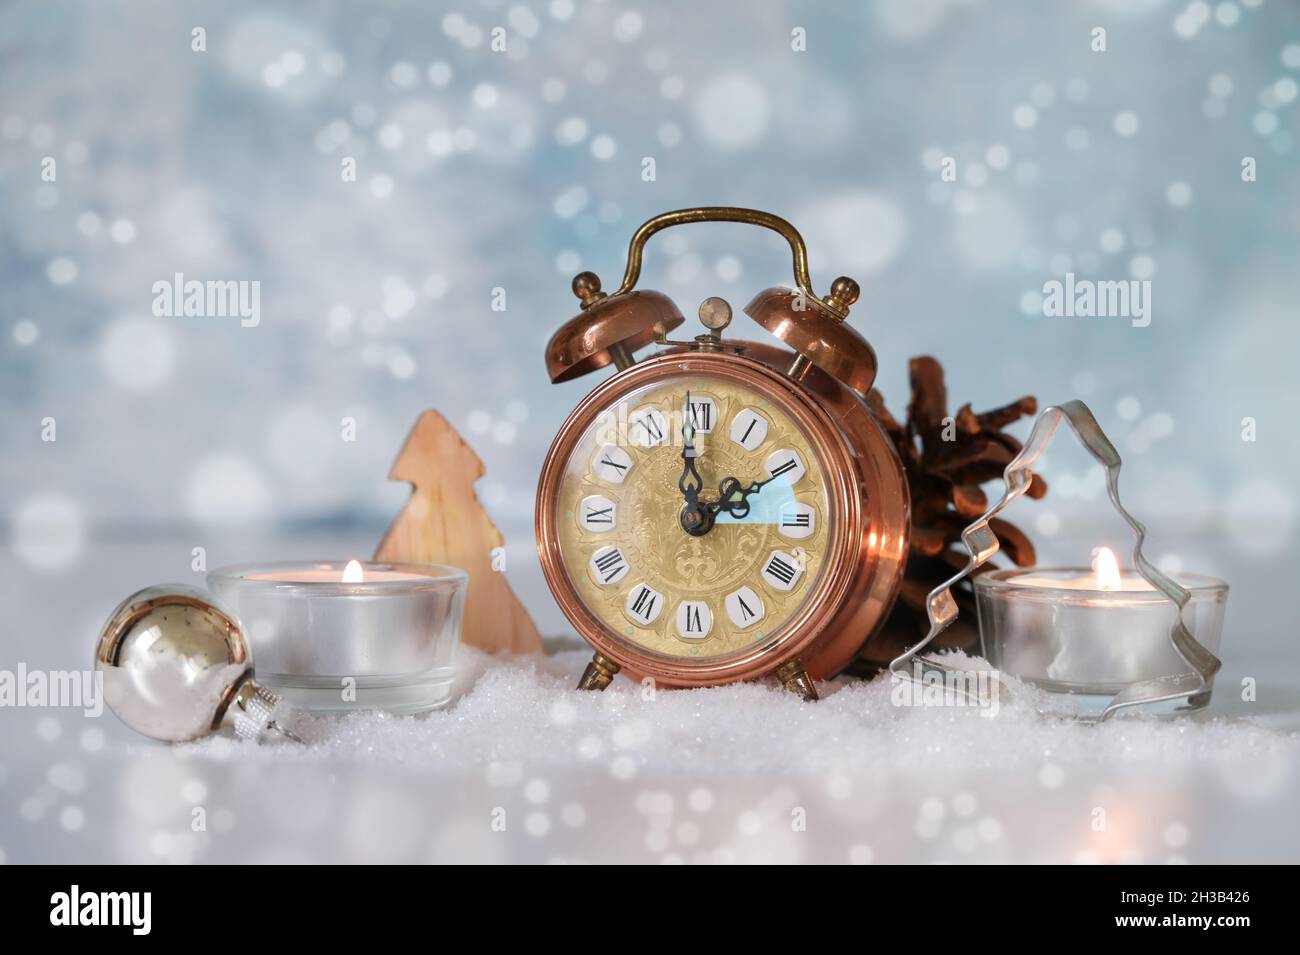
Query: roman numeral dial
x=745, y=607
x=785, y=466
x=608, y=566
x=749, y=428
x=694, y=620
x=782, y=570
x=798, y=521
x=597, y=514
x=701, y=413
x=644, y=604
x=637, y=572
x=611, y=463
x=647, y=427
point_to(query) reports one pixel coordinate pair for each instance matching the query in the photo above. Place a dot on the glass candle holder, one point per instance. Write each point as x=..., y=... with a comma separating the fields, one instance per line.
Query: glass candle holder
x=1054, y=629
x=335, y=636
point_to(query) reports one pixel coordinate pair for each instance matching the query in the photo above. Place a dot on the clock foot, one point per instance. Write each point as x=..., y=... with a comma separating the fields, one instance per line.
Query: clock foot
x=796, y=679
x=598, y=674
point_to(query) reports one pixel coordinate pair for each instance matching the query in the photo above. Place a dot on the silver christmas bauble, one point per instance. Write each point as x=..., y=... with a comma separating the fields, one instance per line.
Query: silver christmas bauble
x=177, y=667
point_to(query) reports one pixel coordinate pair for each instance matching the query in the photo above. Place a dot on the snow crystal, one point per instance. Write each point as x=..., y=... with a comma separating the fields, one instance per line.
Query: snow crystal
x=515, y=712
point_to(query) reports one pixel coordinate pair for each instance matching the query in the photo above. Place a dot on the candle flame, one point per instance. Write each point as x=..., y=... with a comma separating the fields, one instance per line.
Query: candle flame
x=353, y=574
x=1106, y=568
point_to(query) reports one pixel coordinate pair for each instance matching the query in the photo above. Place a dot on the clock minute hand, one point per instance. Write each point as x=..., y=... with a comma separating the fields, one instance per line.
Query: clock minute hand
x=690, y=483
x=697, y=516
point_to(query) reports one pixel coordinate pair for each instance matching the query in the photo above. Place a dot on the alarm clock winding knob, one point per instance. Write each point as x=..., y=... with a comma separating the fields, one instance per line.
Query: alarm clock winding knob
x=715, y=314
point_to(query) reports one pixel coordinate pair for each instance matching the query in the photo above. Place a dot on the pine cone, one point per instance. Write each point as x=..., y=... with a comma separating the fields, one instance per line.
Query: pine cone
x=946, y=460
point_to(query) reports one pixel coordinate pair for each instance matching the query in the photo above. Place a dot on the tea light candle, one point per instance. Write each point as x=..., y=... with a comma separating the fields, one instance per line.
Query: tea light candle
x=1091, y=631
x=335, y=636
x=1105, y=576
x=353, y=573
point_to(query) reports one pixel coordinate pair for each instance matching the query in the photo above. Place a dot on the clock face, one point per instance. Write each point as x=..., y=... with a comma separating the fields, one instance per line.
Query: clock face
x=650, y=582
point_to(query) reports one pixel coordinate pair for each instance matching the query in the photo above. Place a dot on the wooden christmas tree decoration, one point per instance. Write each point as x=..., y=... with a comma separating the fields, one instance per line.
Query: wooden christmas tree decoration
x=443, y=523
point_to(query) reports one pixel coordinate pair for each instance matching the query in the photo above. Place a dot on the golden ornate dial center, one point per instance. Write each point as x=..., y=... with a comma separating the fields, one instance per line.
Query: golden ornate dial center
x=624, y=547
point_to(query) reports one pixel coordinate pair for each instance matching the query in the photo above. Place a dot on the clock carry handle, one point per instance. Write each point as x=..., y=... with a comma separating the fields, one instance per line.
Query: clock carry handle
x=611, y=328
x=843, y=293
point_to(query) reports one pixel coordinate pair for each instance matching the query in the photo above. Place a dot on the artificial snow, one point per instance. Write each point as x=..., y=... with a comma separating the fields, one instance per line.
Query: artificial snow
x=521, y=767
x=525, y=709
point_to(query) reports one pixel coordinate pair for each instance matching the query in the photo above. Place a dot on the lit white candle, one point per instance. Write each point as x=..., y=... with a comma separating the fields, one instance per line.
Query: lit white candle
x=1106, y=576
x=355, y=572
x=1090, y=632
x=342, y=635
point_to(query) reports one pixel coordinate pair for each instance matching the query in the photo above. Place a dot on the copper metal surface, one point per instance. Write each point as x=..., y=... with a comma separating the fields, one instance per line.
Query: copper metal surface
x=883, y=485
x=611, y=327
x=587, y=341
x=864, y=565
x=817, y=334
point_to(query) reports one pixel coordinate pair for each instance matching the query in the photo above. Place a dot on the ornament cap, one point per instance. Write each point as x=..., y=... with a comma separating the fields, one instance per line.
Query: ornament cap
x=255, y=713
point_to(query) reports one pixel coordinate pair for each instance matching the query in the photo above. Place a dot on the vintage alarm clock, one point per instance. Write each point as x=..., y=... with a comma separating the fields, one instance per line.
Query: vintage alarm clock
x=722, y=510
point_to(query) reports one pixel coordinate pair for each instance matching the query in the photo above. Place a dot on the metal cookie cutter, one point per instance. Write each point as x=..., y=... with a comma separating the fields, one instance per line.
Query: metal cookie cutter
x=982, y=544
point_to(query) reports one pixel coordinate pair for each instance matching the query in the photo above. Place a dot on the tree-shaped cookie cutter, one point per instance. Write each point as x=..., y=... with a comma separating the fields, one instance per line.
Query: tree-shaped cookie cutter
x=981, y=543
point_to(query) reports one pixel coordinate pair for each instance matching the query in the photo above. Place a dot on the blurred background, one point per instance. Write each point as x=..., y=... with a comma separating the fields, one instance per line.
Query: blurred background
x=499, y=148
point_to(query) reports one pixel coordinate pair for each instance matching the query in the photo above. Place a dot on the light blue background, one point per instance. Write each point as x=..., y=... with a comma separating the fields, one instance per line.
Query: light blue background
x=516, y=169
x=512, y=170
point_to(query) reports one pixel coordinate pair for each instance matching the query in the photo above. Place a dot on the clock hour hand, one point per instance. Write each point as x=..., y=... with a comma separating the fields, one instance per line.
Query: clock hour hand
x=733, y=496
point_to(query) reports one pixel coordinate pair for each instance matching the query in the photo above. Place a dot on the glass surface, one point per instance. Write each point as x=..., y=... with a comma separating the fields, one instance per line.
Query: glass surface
x=387, y=642
x=648, y=581
x=1092, y=643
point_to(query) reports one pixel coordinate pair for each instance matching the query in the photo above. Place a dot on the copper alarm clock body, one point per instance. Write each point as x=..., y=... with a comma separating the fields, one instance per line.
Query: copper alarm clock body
x=858, y=569
x=787, y=556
